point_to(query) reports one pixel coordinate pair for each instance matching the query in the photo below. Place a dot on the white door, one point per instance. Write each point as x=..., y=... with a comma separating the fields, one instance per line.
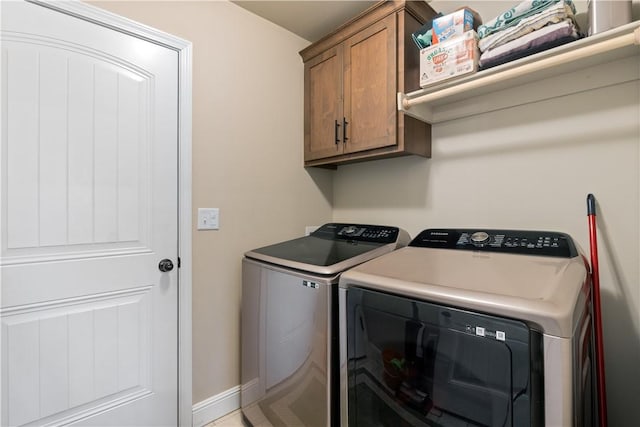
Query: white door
x=89, y=209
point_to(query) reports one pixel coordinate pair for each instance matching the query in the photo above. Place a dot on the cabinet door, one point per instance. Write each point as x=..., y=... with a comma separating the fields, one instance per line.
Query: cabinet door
x=323, y=105
x=370, y=86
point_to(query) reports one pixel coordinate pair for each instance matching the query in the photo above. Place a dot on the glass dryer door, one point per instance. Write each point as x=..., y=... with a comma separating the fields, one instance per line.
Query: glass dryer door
x=415, y=363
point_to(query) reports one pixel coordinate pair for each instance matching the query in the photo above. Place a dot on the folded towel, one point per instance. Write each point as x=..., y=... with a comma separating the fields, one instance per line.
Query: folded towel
x=551, y=15
x=422, y=37
x=422, y=40
x=514, y=15
x=545, y=38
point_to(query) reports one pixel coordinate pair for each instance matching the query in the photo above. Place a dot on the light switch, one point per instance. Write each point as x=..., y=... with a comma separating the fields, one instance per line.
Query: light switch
x=208, y=218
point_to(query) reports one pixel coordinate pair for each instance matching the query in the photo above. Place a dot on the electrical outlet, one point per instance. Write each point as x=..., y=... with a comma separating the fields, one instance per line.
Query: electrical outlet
x=208, y=219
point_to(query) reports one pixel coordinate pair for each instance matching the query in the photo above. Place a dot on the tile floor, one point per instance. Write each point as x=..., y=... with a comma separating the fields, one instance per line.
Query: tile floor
x=234, y=419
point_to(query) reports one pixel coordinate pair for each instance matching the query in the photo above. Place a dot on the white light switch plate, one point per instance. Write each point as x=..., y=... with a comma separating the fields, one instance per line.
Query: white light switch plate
x=208, y=218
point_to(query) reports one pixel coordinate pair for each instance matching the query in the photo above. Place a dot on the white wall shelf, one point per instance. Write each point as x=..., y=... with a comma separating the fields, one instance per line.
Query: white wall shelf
x=566, y=69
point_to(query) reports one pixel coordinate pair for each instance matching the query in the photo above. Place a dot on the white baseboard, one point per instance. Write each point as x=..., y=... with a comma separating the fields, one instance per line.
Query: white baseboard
x=216, y=406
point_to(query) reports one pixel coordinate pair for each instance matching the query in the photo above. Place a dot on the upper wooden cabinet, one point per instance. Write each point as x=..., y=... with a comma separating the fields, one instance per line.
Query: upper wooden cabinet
x=351, y=81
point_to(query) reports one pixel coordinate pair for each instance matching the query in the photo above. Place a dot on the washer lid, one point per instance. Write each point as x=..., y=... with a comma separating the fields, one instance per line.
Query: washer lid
x=546, y=291
x=333, y=247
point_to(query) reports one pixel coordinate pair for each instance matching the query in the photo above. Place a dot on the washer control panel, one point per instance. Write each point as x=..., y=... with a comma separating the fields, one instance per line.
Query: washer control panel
x=358, y=232
x=526, y=242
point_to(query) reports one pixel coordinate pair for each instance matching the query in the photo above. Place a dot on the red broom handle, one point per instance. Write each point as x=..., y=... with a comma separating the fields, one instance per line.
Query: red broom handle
x=597, y=311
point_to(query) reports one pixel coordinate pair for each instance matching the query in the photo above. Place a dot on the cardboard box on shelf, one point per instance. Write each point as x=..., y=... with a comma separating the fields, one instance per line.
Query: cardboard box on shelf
x=449, y=59
x=454, y=24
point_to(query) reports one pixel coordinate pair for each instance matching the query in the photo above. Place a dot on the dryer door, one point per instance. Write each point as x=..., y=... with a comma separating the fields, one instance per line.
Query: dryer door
x=420, y=364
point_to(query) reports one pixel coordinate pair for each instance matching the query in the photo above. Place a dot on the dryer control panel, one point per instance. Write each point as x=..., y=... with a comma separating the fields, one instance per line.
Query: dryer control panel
x=526, y=242
x=358, y=232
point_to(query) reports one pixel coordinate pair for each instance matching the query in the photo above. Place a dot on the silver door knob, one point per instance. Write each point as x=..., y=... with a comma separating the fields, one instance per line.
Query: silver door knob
x=165, y=265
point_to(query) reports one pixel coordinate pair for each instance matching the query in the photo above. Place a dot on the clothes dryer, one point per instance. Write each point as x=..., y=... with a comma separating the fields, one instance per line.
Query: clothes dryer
x=469, y=327
x=289, y=344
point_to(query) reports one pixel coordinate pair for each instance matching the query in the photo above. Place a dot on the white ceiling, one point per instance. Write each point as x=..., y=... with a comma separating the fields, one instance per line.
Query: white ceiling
x=310, y=19
x=313, y=19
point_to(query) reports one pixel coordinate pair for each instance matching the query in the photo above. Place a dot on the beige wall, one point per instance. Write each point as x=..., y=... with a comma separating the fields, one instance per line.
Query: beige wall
x=247, y=161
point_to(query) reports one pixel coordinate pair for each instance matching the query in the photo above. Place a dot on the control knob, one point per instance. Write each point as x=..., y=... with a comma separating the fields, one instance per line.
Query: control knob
x=350, y=229
x=479, y=238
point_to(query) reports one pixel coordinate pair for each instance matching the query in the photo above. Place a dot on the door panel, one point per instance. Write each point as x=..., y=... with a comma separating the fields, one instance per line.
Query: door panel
x=323, y=105
x=89, y=208
x=65, y=356
x=370, y=87
x=77, y=151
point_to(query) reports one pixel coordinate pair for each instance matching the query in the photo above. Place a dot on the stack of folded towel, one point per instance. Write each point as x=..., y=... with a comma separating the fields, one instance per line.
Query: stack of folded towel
x=528, y=28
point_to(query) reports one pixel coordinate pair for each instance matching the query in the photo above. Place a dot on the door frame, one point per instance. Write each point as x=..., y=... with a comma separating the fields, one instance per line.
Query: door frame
x=184, y=49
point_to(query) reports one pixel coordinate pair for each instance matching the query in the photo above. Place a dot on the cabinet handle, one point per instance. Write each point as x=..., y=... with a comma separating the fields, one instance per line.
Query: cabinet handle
x=344, y=130
x=336, y=132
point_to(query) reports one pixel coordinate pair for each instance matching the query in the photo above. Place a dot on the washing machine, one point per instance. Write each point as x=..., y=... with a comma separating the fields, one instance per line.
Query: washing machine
x=289, y=344
x=469, y=328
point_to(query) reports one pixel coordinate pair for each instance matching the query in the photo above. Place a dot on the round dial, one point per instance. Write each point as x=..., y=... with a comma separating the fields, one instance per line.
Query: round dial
x=479, y=237
x=350, y=229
